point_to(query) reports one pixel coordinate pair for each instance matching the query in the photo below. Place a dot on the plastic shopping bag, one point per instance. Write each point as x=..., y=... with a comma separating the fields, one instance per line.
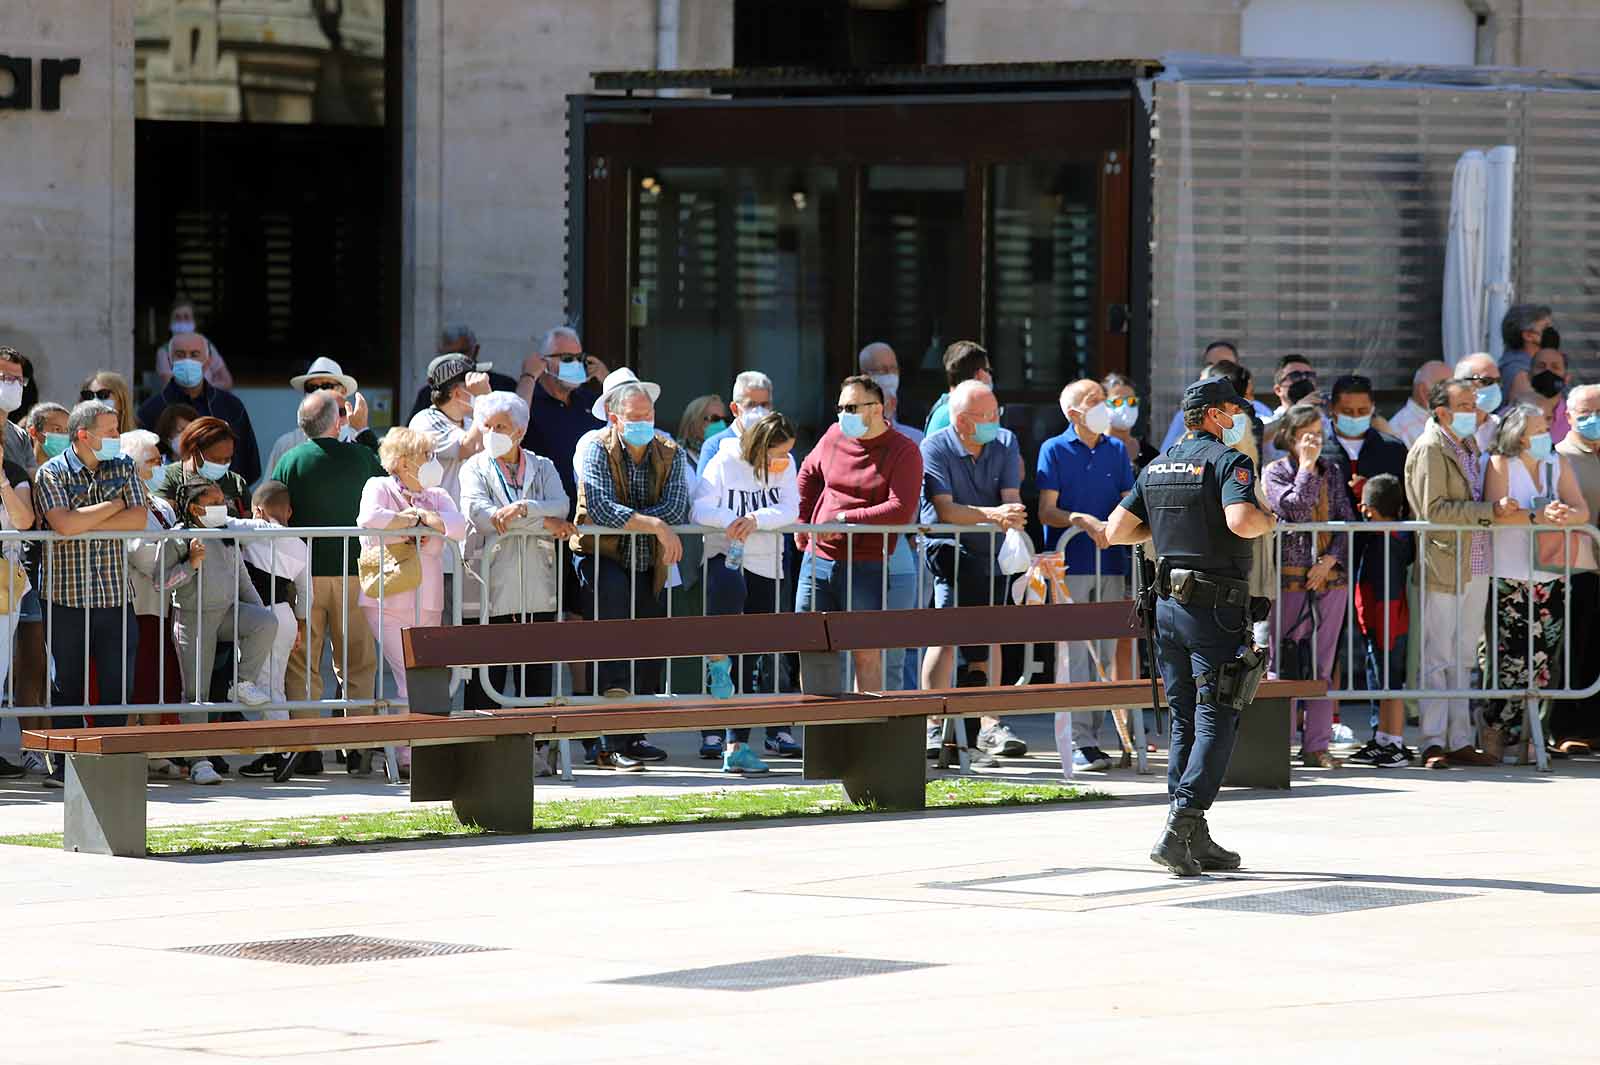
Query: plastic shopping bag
x=1016, y=552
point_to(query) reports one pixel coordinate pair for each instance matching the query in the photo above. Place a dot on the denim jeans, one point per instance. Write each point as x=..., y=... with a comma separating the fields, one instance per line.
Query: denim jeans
x=621, y=595
x=100, y=633
x=826, y=585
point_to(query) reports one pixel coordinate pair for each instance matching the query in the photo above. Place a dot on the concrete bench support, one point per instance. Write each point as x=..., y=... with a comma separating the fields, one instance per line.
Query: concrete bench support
x=1261, y=750
x=490, y=783
x=105, y=810
x=882, y=762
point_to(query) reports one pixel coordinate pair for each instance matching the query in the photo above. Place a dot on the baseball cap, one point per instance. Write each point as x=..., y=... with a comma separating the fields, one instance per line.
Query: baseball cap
x=1212, y=392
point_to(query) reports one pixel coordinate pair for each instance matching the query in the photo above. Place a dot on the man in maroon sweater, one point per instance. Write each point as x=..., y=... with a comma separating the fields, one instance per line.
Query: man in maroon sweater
x=862, y=472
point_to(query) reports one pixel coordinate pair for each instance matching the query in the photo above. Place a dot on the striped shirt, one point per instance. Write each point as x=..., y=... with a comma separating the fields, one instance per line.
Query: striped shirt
x=1468, y=457
x=86, y=571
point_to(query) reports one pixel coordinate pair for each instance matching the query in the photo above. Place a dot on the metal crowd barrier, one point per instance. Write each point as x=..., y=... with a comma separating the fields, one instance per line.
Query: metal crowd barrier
x=47, y=546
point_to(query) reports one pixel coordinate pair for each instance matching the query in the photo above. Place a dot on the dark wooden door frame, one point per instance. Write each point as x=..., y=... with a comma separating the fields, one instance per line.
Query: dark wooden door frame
x=614, y=139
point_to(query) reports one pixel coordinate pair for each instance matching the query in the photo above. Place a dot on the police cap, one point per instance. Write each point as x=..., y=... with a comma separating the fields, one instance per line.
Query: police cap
x=1212, y=392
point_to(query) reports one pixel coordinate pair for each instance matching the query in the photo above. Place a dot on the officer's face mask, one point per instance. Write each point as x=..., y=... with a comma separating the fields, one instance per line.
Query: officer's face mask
x=1235, y=430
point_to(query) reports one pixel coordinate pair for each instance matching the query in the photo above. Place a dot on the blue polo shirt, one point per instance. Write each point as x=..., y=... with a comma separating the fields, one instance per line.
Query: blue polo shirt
x=971, y=480
x=1089, y=480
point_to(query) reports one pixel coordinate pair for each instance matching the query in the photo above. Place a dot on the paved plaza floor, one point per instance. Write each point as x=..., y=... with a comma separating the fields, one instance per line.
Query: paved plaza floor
x=1382, y=916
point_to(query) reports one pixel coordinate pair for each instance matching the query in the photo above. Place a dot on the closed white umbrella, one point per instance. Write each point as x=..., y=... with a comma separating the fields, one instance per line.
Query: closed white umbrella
x=1497, y=234
x=1463, y=317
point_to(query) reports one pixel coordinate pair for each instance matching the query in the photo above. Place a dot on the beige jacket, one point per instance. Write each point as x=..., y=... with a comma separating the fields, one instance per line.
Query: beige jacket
x=1438, y=491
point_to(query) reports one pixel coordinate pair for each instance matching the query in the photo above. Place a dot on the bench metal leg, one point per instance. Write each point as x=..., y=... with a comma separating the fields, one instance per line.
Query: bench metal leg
x=105, y=811
x=1141, y=757
x=1261, y=750
x=490, y=784
x=883, y=763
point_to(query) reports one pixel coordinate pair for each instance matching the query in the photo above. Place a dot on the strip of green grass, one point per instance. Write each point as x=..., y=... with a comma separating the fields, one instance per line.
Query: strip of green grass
x=565, y=815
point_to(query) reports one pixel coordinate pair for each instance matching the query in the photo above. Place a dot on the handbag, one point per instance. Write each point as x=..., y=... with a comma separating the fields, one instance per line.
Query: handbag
x=1297, y=655
x=396, y=565
x=13, y=585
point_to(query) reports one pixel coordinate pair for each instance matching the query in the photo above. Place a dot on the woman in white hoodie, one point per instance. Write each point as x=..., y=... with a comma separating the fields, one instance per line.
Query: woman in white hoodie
x=747, y=489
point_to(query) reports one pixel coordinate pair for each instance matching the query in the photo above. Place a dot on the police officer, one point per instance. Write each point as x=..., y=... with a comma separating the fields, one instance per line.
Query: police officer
x=1197, y=503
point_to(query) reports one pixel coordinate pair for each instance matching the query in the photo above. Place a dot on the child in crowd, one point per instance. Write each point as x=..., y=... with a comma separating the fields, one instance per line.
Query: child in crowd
x=205, y=608
x=1383, y=561
x=276, y=566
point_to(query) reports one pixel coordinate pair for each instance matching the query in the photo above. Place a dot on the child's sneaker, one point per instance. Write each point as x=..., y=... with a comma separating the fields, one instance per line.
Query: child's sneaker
x=744, y=761
x=719, y=678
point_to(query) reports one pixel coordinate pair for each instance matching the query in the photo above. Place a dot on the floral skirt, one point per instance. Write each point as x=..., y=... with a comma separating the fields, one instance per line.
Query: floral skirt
x=1514, y=666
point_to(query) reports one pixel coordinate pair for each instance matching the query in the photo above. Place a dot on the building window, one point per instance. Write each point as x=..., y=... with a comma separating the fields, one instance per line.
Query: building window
x=848, y=34
x=1398, y=31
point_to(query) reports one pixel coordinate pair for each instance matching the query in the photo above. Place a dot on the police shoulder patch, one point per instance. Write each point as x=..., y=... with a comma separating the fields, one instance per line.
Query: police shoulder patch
x=1242, y=475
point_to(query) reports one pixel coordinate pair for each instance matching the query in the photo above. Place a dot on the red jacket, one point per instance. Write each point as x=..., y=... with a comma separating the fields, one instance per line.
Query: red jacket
x=862, y=482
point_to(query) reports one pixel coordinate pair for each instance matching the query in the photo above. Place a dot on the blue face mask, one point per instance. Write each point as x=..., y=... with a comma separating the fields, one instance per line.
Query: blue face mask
x=1589, y=426
x=1348, y=425
x=1235, y=432
x=1489, y=398
x=56, y=443
x=572, y=373
x=187, y=372
x=985, y=432
x=1464, y=423
x=110, y=448
x=213, y=471
x=713, y=428
x=852, y=425
x=1540, y=446
x=638, y=434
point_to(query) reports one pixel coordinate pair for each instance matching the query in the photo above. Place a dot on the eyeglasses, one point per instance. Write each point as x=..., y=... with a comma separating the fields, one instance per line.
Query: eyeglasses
x=569, y=356
x=1482, y=381
x=313, y=387
x=715, y=417
x=95, y=393
x=12, y=379
x=1300, y=375
x=851, y=408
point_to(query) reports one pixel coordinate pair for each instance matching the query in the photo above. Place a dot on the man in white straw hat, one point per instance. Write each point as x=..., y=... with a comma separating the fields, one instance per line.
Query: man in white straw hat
x=324, y=373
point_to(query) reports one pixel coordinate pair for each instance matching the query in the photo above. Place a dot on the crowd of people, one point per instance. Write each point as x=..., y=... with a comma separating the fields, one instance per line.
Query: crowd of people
x=479, y=496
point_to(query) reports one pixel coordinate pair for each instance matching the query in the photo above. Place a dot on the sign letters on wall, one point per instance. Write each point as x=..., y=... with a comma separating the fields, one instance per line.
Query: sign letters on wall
x=51, y=73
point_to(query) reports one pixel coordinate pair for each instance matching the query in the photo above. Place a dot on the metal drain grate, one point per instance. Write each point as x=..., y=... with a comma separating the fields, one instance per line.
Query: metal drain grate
x=333, y=950
x=1310, y=902
x=775, y=972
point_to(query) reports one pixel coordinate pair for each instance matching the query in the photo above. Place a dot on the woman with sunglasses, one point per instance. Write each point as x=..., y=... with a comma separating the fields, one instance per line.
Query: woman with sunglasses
x=703, y=417
x=1123, y=404
x=111, y=387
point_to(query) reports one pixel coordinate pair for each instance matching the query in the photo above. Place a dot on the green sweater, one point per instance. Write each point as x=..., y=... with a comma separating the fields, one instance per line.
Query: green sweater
x=325, y=478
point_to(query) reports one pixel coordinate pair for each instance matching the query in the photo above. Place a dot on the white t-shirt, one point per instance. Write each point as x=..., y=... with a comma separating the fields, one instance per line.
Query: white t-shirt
x=1351, y=447
x=729, y=490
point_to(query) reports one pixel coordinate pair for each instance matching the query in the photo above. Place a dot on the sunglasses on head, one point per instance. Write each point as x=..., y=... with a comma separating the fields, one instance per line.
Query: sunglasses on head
x=95, y=393
x=313, y=387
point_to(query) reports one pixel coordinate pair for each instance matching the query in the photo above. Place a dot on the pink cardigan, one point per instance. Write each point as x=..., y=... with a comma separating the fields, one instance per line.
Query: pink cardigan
x=384, y=497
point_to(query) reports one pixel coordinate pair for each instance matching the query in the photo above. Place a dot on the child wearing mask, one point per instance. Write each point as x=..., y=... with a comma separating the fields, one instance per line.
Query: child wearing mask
x=220, y=603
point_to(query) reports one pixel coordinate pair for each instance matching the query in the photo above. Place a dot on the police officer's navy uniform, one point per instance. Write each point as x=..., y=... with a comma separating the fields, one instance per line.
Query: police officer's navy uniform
x=1181, y=496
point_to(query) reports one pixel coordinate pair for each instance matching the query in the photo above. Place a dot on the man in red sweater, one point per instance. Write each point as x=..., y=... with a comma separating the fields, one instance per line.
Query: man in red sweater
x=862, y=472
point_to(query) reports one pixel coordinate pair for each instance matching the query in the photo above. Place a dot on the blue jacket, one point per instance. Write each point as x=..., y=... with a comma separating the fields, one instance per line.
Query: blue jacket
x=216, y=403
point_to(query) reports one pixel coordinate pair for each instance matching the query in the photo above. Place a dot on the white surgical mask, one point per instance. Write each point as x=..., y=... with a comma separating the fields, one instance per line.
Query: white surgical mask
x=172, y=442
x=1097, y=419
x=751, y=415
x=497, y=444
x=214, y=517
x=889, y=382
x=10, y=396
x=430, y=473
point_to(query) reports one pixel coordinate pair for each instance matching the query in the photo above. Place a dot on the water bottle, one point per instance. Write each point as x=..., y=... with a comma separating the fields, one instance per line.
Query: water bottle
x=734, y=558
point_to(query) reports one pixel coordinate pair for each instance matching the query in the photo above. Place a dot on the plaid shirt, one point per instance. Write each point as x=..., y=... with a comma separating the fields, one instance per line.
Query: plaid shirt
x=86, y=571
x=1468, y=457
x=600, y=495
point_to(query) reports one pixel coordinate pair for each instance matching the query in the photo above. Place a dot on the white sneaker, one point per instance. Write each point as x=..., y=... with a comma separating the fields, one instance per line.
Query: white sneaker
x=544, y=764
x=33, y=762
x=202, y=772
x=249, y=694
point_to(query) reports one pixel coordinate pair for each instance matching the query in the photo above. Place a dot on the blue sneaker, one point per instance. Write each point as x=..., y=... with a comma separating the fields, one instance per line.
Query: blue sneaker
x=744, y=761
x=782, y=744
x=719, y=678
x=711, y=746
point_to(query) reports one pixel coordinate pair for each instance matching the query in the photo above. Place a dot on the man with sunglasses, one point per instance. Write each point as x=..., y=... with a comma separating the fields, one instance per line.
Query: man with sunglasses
x=1294, y=381
x=560, y=383
x=1482, y=372
x=325, y=375
x=191, y=354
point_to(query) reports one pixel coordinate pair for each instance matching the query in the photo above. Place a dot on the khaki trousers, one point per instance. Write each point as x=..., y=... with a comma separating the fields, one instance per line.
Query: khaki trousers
x=335, y=615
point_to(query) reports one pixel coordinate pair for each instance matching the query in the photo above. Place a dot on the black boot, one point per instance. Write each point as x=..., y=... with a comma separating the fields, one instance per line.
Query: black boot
x=1172, y=850
x=1206, y=851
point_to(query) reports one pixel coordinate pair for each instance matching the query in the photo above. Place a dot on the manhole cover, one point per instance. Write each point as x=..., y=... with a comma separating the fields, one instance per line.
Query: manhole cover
x=1309, y=902
x=775, y=972
x=333, y=950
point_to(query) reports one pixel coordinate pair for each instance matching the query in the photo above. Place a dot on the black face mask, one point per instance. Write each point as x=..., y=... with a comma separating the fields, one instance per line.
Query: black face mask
x=1547, y=383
